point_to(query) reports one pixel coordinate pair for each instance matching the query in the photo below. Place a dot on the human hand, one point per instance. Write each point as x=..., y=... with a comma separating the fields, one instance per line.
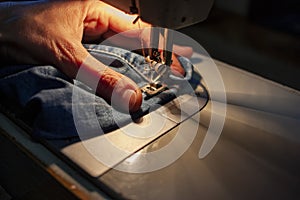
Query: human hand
x=51, y=32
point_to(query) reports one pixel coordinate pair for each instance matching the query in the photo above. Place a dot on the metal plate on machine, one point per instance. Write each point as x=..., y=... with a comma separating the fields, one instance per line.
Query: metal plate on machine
x=98, y=154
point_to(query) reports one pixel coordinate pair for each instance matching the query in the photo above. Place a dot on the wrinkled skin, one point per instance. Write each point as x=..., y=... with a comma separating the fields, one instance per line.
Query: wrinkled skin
x=52, y=33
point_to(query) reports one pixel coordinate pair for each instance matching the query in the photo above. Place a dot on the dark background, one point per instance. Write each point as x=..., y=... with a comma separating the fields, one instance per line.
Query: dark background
x=259, y=36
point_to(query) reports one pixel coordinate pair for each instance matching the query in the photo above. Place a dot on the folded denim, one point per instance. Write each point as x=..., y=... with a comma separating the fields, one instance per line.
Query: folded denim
x=41, y=96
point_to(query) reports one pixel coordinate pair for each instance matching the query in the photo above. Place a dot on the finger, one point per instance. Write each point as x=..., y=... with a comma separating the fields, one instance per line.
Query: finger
x=102, y=17
x=117, y=89
x=176, y=67
x=119, y=21
x=184, y=51
x=124, y=95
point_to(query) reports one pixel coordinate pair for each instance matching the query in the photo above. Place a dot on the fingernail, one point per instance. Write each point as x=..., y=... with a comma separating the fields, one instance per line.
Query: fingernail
x=132, y=100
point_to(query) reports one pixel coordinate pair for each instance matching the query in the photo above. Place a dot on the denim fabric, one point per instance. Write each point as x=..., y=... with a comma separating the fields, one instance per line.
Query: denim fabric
x=41, y=96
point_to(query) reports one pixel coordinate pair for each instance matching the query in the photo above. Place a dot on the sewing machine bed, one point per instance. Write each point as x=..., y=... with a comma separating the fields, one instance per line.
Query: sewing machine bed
x=256, y=156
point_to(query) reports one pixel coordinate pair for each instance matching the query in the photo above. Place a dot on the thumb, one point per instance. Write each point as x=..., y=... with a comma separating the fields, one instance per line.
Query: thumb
x=118, y=90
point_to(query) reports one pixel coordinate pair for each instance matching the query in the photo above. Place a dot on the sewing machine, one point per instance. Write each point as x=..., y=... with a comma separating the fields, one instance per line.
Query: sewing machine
x=168, y=14
x=165, y=14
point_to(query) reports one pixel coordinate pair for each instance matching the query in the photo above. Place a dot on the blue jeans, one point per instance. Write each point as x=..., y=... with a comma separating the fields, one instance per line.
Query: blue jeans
x=41, y=96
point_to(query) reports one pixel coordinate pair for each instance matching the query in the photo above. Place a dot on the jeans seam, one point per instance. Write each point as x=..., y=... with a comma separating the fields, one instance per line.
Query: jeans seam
x=120, y=57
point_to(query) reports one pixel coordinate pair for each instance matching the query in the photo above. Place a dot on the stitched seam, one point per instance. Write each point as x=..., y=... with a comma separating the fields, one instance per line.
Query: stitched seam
x=118, y=56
